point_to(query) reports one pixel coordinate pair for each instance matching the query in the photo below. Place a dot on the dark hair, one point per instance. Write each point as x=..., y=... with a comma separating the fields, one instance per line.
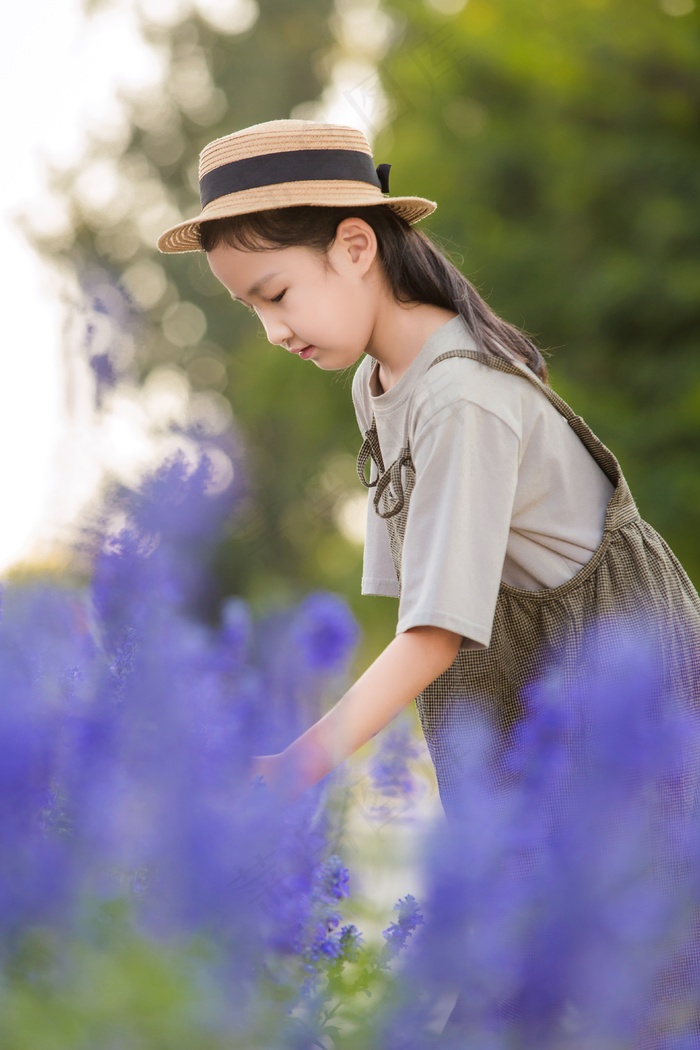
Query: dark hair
x=416, y=270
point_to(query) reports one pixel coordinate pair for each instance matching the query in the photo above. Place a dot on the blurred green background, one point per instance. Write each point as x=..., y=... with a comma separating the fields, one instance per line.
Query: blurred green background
x=561, y=142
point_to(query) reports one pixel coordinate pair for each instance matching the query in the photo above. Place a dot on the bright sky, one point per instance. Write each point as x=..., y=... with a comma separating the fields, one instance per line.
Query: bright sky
x=59, y=82
x=29, y=361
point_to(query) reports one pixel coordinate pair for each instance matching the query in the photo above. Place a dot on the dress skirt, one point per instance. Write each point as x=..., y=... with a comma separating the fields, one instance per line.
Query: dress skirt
x=632, y=587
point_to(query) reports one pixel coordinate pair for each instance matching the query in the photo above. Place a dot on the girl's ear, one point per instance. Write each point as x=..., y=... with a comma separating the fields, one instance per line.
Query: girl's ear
x=356, y=244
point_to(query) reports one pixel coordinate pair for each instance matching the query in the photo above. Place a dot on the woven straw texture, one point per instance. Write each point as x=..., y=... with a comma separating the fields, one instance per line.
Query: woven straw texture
x=633, y=581
x=280, y=136
x=283, y=136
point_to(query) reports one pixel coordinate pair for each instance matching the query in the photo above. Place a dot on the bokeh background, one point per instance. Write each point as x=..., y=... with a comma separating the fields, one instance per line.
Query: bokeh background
x=560, y=141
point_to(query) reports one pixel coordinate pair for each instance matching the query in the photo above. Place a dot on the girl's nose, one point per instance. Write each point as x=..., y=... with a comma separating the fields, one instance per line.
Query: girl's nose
x=277, y=332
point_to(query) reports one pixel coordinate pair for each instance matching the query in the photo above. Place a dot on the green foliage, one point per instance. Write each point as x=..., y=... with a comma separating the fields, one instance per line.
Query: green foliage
x=560, y=142
x=297, y=424
x=118, y=988
x=112, y=989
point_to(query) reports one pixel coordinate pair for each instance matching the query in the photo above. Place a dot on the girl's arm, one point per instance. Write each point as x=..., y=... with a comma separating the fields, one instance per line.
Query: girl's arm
x=410, y=662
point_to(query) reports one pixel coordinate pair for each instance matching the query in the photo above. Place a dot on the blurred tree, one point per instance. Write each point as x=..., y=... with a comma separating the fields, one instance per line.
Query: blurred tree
x=561, y=143
x=224, y=66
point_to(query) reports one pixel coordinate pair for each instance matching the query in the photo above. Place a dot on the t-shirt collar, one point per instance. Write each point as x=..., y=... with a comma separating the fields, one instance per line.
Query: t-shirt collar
x=446, y=334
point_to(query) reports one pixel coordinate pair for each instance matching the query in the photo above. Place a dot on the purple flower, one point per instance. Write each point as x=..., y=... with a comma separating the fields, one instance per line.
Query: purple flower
x=109, y=320
x=324, y=632
x=559, y=893
x=332, y=880
x=350, y=941
x=390, y=766
x=103, y=370
x=331, y=944
x=325, y=944
x=128, y=724
x=236, y=631
x=398, y=933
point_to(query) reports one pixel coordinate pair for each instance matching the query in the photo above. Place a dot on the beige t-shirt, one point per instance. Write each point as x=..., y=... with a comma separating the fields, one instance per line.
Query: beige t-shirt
x=504, y=489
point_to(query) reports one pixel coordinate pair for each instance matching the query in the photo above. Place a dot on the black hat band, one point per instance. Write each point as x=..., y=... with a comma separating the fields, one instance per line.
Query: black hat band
x=303, y=165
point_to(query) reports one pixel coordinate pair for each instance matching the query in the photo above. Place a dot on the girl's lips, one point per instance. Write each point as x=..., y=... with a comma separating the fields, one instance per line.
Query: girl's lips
x=307, y=352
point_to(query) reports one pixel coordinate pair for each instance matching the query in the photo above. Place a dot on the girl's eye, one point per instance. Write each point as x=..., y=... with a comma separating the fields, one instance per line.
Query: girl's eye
x=278, y=298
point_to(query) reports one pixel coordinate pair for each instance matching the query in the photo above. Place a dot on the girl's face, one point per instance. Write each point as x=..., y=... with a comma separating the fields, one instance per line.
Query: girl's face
x=325, y=313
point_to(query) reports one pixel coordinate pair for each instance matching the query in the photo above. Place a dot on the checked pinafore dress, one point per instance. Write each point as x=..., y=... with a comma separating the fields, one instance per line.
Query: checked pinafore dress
x=633, y=578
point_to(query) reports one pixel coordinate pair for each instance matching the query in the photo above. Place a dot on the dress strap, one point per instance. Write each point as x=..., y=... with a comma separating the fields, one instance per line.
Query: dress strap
x=370, y=452
x=622, y=508
x=505, y=366
x=390, y=478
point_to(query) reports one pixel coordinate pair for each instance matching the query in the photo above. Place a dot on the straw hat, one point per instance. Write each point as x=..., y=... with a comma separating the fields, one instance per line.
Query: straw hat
x=282, y=163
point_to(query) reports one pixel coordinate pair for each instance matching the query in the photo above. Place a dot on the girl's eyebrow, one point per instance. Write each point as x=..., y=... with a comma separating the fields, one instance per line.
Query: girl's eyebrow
x=258, y=286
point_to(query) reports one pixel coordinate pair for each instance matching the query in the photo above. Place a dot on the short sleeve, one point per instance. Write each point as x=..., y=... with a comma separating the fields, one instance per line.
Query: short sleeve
x=466, y=460
x=378, y=572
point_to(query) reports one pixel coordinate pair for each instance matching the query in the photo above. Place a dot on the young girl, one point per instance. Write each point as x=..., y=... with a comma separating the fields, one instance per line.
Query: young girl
x=500, y=522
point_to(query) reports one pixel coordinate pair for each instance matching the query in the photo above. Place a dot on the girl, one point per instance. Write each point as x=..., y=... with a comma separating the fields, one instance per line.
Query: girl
x=500, y=522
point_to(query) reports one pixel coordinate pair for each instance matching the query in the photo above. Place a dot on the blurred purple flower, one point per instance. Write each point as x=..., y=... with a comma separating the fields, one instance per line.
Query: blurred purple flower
x=109, y=319
x=325, y=943
x=566, y=880
x=324, y=632
x=236, y=631
x=103, y=370
x=398, y=933
x=566, y=884
x=128, y=725
x=390, y=766
x=350, y=941
x=332, y=880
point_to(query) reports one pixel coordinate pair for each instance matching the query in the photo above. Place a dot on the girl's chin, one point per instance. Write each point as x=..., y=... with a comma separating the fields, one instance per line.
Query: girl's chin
x=334, y=362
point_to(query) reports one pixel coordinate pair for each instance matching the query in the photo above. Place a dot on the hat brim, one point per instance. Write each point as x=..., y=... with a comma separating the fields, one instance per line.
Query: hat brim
x=184, y=236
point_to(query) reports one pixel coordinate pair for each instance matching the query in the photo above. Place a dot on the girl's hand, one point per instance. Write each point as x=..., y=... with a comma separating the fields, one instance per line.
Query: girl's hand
x=267, y=767
x=281, y=775
x=411, y=661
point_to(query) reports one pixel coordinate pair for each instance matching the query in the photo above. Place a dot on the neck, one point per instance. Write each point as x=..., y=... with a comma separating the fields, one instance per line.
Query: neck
x=397, y=338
